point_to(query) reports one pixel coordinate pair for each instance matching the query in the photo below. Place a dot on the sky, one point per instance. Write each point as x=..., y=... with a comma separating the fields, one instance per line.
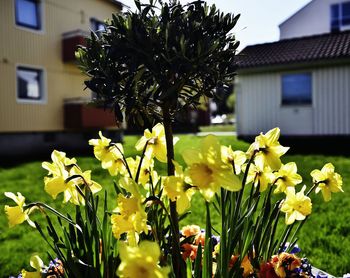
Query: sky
x=259, y=18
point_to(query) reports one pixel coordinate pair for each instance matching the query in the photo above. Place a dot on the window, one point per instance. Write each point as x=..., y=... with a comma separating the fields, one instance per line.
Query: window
x=28, y=14
x=296, y=89
x=30, y=84
x=97, y=25
x=340, y=16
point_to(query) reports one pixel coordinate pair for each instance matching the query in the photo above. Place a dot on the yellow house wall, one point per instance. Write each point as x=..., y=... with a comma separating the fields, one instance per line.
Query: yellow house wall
x=42, y=49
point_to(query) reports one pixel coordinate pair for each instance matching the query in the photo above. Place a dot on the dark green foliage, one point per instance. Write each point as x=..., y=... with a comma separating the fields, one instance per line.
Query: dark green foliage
x=85, y=245
x=164, y=56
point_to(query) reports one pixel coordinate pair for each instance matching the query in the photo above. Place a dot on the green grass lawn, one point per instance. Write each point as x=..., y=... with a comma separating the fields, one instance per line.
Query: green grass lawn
x=324, y=238
x=214, y=128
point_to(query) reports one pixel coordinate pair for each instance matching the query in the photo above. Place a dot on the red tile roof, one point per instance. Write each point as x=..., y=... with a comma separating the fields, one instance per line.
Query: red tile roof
x=297, y=50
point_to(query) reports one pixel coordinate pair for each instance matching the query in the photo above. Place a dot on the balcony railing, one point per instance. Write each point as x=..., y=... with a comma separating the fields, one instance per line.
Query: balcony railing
x=70, y=42
x=79, y=114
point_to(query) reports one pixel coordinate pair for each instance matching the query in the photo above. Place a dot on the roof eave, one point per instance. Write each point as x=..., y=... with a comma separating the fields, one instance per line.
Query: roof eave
x=294, y=66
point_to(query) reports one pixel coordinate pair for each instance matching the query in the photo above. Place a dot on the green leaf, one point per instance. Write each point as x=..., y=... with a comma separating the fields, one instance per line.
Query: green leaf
x=198, y=262
x=188, y=268
x=208, y=254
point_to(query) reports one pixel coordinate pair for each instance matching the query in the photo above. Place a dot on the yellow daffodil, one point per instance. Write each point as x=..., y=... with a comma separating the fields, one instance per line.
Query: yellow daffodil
x=156, y=144
x=127, y=205
x=206, y=170
x=131, y=217
x=59, y=161
x=17, y=215
x=130, y=186
x=259, y=177
x=83, y=180
x=116, y=165
x=141, y=261
x=58, y=174
x=175, y=189
x=147, y=172
x=296, y=206
x=233, y=158
x=120, y=225
x=101, y=148
x=268, y=149
x=36, y=263
x=110, y=155
x=105, y=152
x=328, y=181
x=64, y=177
x=287, y=177
x=57, y=184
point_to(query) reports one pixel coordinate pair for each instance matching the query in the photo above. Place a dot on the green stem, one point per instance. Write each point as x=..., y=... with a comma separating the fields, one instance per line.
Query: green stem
x=312, y=188
x=43, y=205
x=223, y=240
x=124, y=159
x=140, y=164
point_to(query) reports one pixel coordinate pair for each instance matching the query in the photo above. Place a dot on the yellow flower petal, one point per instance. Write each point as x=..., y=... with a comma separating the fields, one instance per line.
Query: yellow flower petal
x=156, y=143
x=141, y=261
x=15, y=215
x=55, y=185
x=328, y=181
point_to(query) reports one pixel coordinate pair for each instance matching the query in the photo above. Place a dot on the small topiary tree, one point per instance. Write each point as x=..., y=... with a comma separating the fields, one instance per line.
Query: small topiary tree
x=158, y=60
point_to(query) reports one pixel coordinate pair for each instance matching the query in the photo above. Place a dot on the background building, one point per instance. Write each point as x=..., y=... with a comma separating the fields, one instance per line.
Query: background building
x=38, y=75
x=317, y=17
x=302, y=82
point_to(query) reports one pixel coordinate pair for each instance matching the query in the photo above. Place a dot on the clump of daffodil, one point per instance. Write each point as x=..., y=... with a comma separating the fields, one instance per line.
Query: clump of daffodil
x=233, y=158
x=156, y=143
x=141, y=261
x=327, y=181
x=287, y=177
x=296, y=205
x=207, y=171
x=130, y=218
x=267, y=149
x=110, y=155
x=259, y=177
x=17, y=215
x=36, y=263
x=176, y=190
x=64, y=176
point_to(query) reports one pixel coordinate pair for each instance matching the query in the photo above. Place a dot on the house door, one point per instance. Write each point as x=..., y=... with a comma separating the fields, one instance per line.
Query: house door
x=296, y=113
x=296, y=120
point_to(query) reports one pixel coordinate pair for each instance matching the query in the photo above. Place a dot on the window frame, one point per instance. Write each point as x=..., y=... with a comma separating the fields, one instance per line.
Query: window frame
x=39, y=13
x=340, y=19
x=42, y=84
x=93, y=23
x=298, y=104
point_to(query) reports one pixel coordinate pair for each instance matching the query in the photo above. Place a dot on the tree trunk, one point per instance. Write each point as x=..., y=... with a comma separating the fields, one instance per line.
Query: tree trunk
x=176, y=256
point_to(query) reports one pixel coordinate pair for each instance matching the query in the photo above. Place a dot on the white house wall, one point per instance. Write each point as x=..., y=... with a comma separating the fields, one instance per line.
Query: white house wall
x=312, y=19
x=257, y=103
x=332, y=101
x=259, y=107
